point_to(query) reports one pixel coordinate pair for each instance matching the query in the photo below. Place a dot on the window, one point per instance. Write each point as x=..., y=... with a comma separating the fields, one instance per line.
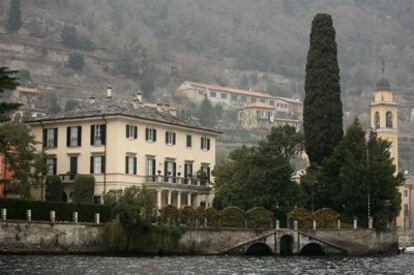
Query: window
x=271, y=103
x=388, y=119
x=74, y=136
x=205, y=173
x=223, y=96
x=131, y=131
x=212, y=94
x=150, y=166
x=51, y=164
x=170, y=138
x=98, y=134
x=130, y=165
x=170, y=169
x=253, y=99
x=377, y=120
x=262, y=100
x=244, y=98
x=151, y=134
x=97, y=164
x=188, y=169
x=405, y=193
x=50, y=137
x=189, y=141
x=234, y=97
x=205, y=143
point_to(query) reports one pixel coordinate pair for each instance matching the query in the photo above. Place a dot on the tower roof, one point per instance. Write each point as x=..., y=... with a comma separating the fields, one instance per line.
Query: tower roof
x=383, y=84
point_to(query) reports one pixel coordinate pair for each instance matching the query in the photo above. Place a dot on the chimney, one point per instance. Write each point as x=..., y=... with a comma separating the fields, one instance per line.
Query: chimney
x=166, y=108
x=138, y=97
x=109, y=91
x=91, y=100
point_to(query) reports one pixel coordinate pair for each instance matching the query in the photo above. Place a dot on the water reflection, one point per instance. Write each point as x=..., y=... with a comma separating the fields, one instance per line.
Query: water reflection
x=400, y=264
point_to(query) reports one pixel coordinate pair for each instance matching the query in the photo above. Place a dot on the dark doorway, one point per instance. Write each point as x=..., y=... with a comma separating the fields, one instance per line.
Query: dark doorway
x=312, y=249
x=286, y=245
x=259, y=249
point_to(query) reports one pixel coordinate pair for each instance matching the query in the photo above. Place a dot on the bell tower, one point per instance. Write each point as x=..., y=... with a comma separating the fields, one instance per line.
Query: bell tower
x=384, y=120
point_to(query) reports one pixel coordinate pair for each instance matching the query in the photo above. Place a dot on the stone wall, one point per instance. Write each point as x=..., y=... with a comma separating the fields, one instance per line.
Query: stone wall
x=212, y=241
x=359, y=241
x=39, y=237
x=405, y=238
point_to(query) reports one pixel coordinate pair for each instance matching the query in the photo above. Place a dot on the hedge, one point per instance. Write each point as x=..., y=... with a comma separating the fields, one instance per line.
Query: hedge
x=17, y=209
x=259, y=217
x=232, y=217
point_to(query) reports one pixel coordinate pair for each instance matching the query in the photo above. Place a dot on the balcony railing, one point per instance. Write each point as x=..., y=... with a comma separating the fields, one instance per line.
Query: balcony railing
x=177, y=180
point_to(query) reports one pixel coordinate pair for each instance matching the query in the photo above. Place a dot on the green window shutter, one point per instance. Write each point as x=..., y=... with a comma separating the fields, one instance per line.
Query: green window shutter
x=79, y=135
x=127, y=131
x=103, y=131
x=92, y=134
x=135, y=165
x=56, y=137
x=103, y=160
x=126, y=165
x=135, y=132
x=91, y=165
x=67, y=136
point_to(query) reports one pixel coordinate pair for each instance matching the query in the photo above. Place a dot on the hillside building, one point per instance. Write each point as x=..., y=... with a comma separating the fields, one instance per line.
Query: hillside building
x=124, y=143
x=261, y=115
x=231, y=98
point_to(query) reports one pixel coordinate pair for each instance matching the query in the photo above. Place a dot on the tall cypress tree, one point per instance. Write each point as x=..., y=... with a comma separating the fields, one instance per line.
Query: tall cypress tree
x=7, y=82
x=14, y=22
x=322, y=114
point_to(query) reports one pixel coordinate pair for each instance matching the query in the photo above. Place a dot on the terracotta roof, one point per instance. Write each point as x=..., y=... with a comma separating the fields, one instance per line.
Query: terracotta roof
x=151, y=105
x=116, y=107
x=27, y=90
x=229, y=90
x=289, y=100
x=257, y=105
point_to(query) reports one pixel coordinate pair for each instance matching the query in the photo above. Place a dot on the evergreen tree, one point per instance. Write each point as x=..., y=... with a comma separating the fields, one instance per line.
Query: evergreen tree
x=322, y=114
x=261, y=176
x=54, y=188
x=206, y=114
x=358, y=170
x=14, y=22
x=7, y=82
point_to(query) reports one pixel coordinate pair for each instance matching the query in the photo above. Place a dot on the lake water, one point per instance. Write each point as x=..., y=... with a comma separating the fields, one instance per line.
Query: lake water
x=400, y=264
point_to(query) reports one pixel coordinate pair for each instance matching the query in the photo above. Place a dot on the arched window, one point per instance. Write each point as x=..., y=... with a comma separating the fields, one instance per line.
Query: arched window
x=388, y=120
x=377, y=120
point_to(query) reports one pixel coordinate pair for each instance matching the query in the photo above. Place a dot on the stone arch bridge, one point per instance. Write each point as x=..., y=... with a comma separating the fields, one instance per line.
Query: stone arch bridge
x=287, y=242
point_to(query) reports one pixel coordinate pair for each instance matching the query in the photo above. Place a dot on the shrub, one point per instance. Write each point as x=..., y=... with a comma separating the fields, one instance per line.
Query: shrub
x=170, y=214
x=83, y=189
x=213, y=217
x=326, y=218
x=54, y=188
x=232, y=217
x=188, y=216
x=304, y=217
x=76, y=61
x=72, y=39
x=259, y=217
x=16, y=210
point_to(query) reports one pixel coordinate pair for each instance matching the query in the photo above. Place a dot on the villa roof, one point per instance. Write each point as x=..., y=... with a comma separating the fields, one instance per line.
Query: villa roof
x=230, y=90
x=113, y=107
x=27, y=90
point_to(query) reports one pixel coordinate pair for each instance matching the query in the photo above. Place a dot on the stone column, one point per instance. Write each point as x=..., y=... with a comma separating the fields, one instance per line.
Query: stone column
x=189, y=199
x=207, y=202
x=339, y=224
x=169, y=197
x=159, y=199
x=314, y=224
x=277, y=224
x=355, y=223
x=370, y=222
x=178, y=199
x=197, y=200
